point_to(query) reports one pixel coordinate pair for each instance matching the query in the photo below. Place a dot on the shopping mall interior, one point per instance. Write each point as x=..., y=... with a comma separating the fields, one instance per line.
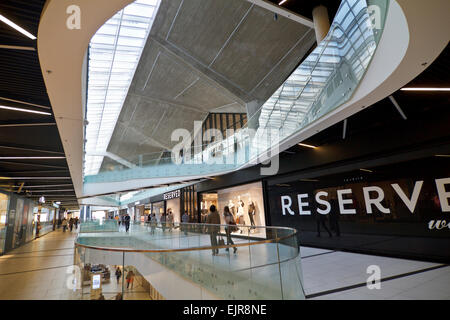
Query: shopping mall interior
x=224, y=150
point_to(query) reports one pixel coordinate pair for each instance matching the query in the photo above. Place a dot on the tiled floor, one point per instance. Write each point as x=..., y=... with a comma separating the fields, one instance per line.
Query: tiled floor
x=39, y=270
x=333, y=275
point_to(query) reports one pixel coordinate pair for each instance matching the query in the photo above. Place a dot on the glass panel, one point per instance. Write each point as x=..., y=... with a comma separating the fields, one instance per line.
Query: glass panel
x=186, y=263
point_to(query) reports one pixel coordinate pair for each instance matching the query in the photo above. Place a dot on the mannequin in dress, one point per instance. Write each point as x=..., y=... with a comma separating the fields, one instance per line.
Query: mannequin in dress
x=231, y=207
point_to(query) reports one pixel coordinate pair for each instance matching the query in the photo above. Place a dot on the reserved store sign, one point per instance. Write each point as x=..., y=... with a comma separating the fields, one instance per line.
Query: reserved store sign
x=373, y=197
x=172, y=194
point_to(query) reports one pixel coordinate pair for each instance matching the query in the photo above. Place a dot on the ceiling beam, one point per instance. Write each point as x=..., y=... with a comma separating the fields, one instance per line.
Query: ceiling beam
x=33, y=171
x=5, y=124
x=5, y=46
x=31, y=164
x=35, y=178
x=27, y=148
x=25, y=103
x=42, y=186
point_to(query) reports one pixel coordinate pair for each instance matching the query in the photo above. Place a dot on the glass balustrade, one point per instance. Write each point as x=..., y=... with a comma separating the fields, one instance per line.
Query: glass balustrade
x=324, y=81
x=183, y=261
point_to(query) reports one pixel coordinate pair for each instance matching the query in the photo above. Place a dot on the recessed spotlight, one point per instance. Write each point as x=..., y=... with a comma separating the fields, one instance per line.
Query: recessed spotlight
x=366, y=170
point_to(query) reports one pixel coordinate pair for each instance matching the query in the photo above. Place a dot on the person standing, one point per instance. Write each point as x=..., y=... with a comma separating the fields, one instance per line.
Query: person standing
x=127, y=222
x=153, y=223
x=170, y=220
x=213, y=219
x=163, y=221
x=229, y=220
x=76, y=222
x=71, y=224
x=185, y=221
x=64, y=224
x=118, y=274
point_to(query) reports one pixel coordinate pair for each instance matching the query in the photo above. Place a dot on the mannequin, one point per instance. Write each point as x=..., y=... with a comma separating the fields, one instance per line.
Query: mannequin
x=231, y=207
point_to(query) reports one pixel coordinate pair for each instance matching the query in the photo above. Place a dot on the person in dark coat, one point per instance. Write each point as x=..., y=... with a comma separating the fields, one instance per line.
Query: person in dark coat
x=213, y=218
x=127, y=222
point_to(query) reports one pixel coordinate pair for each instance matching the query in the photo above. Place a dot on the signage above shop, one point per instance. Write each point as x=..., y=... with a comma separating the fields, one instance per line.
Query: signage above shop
x=172, y=194
x=42, y=199
x=370, y=201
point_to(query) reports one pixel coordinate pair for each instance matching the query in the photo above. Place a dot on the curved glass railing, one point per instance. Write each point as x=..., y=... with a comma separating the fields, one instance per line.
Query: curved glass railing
x=178, y=261
x=325, y=80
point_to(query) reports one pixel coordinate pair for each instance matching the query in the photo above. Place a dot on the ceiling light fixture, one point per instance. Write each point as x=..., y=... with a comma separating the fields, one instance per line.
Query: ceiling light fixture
x=283, y=1
x=25, y=110
x=15, y=26
x=307, y=145
x=442, y=155
x=366, y=170
x=425, y=89
x=30, y=158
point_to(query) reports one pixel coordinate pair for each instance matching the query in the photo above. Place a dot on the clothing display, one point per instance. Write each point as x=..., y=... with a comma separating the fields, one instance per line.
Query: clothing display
x=246, y=205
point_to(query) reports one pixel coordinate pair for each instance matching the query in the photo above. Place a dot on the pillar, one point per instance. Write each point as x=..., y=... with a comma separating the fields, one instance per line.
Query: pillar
x=321, y=22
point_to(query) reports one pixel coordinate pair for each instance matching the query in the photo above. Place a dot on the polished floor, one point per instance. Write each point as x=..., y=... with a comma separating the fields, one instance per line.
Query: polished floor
x=40, y=270
x=336, y=275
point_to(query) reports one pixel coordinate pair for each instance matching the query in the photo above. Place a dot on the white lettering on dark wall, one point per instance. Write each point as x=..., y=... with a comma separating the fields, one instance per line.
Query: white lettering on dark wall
x=443, y=195
x=373, y=197
x=171, y=195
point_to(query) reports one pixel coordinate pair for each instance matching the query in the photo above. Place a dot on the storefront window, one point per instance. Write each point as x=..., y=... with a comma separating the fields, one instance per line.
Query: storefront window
x=30, y=225
x=158, y=209
x=392, y=209
x=17, y=234
x=245, y=203
x=173, y=206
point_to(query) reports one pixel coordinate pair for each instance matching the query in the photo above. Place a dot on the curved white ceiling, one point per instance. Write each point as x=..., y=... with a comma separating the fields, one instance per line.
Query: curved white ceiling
x=396, y=62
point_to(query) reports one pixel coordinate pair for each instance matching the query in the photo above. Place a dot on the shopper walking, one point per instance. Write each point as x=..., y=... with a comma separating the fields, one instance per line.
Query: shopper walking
x=170, y=220
x=185, y=221
x=153, y=223
x=118, y=274
x=64, y=224
x=71, y=224
x=163, y=220
x=213, y=219
x=127, y=222
x=76, y=221
x=130, y=279
x=231, y=226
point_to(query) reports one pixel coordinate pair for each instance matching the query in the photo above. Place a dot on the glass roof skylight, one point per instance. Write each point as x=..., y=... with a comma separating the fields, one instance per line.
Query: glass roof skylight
x=114, y=54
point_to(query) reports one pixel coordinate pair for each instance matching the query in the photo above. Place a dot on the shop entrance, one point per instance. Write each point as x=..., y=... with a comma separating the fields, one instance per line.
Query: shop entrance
x=245, y=203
